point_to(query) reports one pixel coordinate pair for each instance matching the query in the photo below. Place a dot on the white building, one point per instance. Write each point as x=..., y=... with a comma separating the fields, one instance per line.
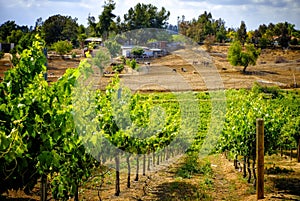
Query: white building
x=126, y=51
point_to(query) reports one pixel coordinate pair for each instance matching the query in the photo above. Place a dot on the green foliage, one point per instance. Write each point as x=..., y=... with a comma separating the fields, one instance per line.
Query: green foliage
x=199, y=29
x=118, y=68
x=25, y=42
x=15, y=36
x=137, y=51
x=283, y=31
x=1, y=54
x=59, y=28
x=132, y=64
x=192, y=165
x=38, y=135
x=145, y=16
x=238, y=57
x=113, y=47
x=62, y=47
x=242, y=33
x=275, y=92
x=102, y=59
x=6, y=30
x=244, y=107
x=106, y=19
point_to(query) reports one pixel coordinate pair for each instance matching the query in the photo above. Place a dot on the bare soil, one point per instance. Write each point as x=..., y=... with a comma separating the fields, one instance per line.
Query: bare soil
x=225, y=183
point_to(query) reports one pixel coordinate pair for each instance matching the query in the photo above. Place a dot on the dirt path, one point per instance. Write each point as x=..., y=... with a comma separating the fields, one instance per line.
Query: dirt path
x=163, y=185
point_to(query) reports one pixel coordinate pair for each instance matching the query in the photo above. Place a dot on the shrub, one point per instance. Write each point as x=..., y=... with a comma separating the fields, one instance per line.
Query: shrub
x=118, y=68
x=73, y=55
x=193, y=166
x=132, y=64
x=62, y=47
x=137, y=51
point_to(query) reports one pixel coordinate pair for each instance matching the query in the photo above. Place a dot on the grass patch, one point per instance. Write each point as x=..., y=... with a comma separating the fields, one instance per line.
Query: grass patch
x=192, y=166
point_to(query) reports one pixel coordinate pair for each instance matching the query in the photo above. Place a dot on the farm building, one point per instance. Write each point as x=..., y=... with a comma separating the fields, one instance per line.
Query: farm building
x=94, y=40
x=148, y=52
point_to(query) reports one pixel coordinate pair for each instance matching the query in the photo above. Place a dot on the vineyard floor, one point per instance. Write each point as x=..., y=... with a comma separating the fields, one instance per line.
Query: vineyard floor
x=224, y=183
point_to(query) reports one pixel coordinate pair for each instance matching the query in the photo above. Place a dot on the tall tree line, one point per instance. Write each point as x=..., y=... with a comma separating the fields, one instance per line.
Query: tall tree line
x=108, y=24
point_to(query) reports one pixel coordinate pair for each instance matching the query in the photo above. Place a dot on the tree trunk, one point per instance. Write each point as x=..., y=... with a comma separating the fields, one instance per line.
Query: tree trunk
x=254, y=173
x=149, y=161
x=153, y=157
x=128, y=171
x=157, y=161
x=167, y=153
x=44, y=188
x=244, y=167
x=117, y=160
x=298, y=151
x=235, y=162
x=249, y=169
x=137, y=168
x=144, y=165
x=244, y=69
x=76, y=198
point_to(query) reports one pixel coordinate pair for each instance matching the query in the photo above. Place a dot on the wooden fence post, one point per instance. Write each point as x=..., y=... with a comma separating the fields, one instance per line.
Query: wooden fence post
x=260, y=158
x=44, y=188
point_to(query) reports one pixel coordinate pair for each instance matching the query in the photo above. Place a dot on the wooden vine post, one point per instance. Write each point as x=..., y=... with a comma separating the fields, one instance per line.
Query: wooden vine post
x=260, y=158
x=44, y=188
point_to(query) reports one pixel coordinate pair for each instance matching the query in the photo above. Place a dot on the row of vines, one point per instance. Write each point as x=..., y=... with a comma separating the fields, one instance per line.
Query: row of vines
x=280, y=110
x=58, y=134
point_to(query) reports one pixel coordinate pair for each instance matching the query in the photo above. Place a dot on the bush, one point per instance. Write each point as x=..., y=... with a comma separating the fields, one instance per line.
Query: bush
x=73, y=55
x=193, y=166
x=62, y=47
x=132, y=64
x=118, y=68
x=137, y=51
x=273, y=91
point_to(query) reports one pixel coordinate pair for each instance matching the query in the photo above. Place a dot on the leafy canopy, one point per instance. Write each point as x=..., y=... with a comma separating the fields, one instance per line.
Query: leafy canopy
x=62, y=47
x=239, y=57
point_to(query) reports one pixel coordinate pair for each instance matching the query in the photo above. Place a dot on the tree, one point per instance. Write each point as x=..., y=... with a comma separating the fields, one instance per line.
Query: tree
x=81, y=35
x=145, y=16
x=15, y=36
x=208, y=42
x=203, y=27
x=92, y=28
x=39, y=23
x=25, y=41
x=102, y=59
x=242, y=33
x=113, y=47
x=137, y=51
x=6, y=29
x=59, y=27
x=238, y=57
x=282, y=31
x=106, y=19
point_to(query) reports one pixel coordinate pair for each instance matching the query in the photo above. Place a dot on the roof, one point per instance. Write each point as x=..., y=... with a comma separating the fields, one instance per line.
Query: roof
x=93, y=39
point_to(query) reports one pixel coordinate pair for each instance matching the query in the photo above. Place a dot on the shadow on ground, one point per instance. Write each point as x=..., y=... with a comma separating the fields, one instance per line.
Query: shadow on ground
x=289, y=185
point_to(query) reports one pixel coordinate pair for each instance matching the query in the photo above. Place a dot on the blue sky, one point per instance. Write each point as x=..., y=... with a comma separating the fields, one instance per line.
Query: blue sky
x=253, y=12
